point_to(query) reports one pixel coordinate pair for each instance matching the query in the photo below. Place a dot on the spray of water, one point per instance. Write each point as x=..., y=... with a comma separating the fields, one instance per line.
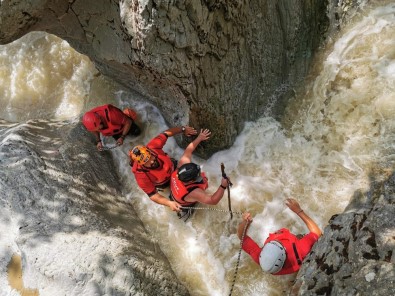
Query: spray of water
x=339, y=129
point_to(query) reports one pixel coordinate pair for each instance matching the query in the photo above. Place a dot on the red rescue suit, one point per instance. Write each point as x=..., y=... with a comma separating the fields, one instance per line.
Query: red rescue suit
x=289, y=242
x=149, y=179
x=115, y=119
x=179, y=190
x=159, y=177
x=296, y=249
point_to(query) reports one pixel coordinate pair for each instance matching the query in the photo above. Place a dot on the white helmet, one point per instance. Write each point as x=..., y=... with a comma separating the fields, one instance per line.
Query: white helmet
x=272, y=257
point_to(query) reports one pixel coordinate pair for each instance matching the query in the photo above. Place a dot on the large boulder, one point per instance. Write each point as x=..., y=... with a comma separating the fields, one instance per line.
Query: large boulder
x=212, y=64
x=356, y=255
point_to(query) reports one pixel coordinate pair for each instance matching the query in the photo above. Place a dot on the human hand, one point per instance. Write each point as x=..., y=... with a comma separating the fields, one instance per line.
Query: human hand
x=225, y=182
x=120, y=141
x=175, y=206
x=293, y=205
x=204, y=134
x=190, y=131
x=243, y=226
x=247, y=217
x=99, y=146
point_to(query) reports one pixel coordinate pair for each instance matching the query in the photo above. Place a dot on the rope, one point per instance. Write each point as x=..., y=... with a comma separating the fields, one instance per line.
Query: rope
x=241, y=241
x=213, y=209
x=109, y=148
x=238, y=259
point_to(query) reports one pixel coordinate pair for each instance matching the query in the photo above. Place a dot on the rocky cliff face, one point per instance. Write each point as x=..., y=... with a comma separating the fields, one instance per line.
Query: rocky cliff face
x=211, y=63
x=356, y=255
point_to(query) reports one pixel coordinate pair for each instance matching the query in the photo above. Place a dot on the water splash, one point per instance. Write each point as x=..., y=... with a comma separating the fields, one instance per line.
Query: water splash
x=339, y=129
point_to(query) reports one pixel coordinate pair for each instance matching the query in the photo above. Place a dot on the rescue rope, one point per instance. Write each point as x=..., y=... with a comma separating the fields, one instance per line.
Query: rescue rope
x=105, y=148
x=238, y=259
x=213, y=209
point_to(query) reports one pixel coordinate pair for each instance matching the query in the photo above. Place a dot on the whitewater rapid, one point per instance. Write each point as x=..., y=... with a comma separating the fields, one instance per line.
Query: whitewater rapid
x=337, y=130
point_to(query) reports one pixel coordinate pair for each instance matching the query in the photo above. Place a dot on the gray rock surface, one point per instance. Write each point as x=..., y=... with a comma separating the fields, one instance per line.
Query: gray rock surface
x=65, y=198
x=356, y=254
x=212, y=64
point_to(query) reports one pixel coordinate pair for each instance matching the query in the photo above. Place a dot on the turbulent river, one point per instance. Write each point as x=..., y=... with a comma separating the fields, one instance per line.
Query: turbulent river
x=339, y=129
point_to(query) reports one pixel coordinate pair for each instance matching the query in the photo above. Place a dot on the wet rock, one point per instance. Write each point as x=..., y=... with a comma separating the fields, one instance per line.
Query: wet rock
x=65, y=214
x=355, y=254
x=210, y=64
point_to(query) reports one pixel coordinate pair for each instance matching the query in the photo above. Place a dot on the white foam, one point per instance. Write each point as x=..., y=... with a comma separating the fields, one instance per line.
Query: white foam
x=344, y=128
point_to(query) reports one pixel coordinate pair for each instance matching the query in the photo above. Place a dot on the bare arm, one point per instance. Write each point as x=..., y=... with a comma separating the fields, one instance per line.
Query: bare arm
x=189, y=131
x=187, y=156
x=246, y=220
x=125, y=130
x=99, y=144
x=201, y=196
x=160, y=199
x=295, y=207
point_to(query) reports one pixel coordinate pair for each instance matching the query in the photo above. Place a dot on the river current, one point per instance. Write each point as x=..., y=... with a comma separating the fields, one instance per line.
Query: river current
x=337, y=131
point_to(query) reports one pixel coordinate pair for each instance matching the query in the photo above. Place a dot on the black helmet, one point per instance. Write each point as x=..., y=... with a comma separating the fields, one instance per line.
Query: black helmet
x=188, y=172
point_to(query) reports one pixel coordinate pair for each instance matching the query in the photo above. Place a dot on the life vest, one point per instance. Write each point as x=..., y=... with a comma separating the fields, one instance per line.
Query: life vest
x=106, y=112
x=179, y=190
x=288, y=241
x=129, y=112
x=158, y=177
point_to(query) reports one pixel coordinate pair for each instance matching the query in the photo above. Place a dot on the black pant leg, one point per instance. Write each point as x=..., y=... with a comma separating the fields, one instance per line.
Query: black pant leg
x=134, y=130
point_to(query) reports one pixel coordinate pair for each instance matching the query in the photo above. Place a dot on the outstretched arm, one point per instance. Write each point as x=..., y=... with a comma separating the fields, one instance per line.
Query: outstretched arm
x=246, y=221
x=189, y=131
x=187, y=156
x=295, y=207
x=203, y=197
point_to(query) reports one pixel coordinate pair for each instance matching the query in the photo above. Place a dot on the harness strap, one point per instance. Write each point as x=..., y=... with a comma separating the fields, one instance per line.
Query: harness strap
x=107, y=116
x=186, y=212
x=296, y=254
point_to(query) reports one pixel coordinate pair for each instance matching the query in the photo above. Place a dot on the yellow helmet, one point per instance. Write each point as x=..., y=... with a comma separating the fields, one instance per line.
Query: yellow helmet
x=141, y=154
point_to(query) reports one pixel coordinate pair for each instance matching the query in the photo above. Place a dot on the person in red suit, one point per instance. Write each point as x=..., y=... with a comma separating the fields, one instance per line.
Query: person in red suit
x=188, y=184
x=152, y=167
x=282, y=252
x=111, y=121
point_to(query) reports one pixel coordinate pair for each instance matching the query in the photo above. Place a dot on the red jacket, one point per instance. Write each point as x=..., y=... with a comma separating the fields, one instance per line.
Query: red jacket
x=114, y=118
x=288, y=240
x=179, y=190
x=149, y=179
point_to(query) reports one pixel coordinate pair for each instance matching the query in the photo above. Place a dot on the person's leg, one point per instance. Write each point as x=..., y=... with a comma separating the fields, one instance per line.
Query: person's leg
x=134, y=130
